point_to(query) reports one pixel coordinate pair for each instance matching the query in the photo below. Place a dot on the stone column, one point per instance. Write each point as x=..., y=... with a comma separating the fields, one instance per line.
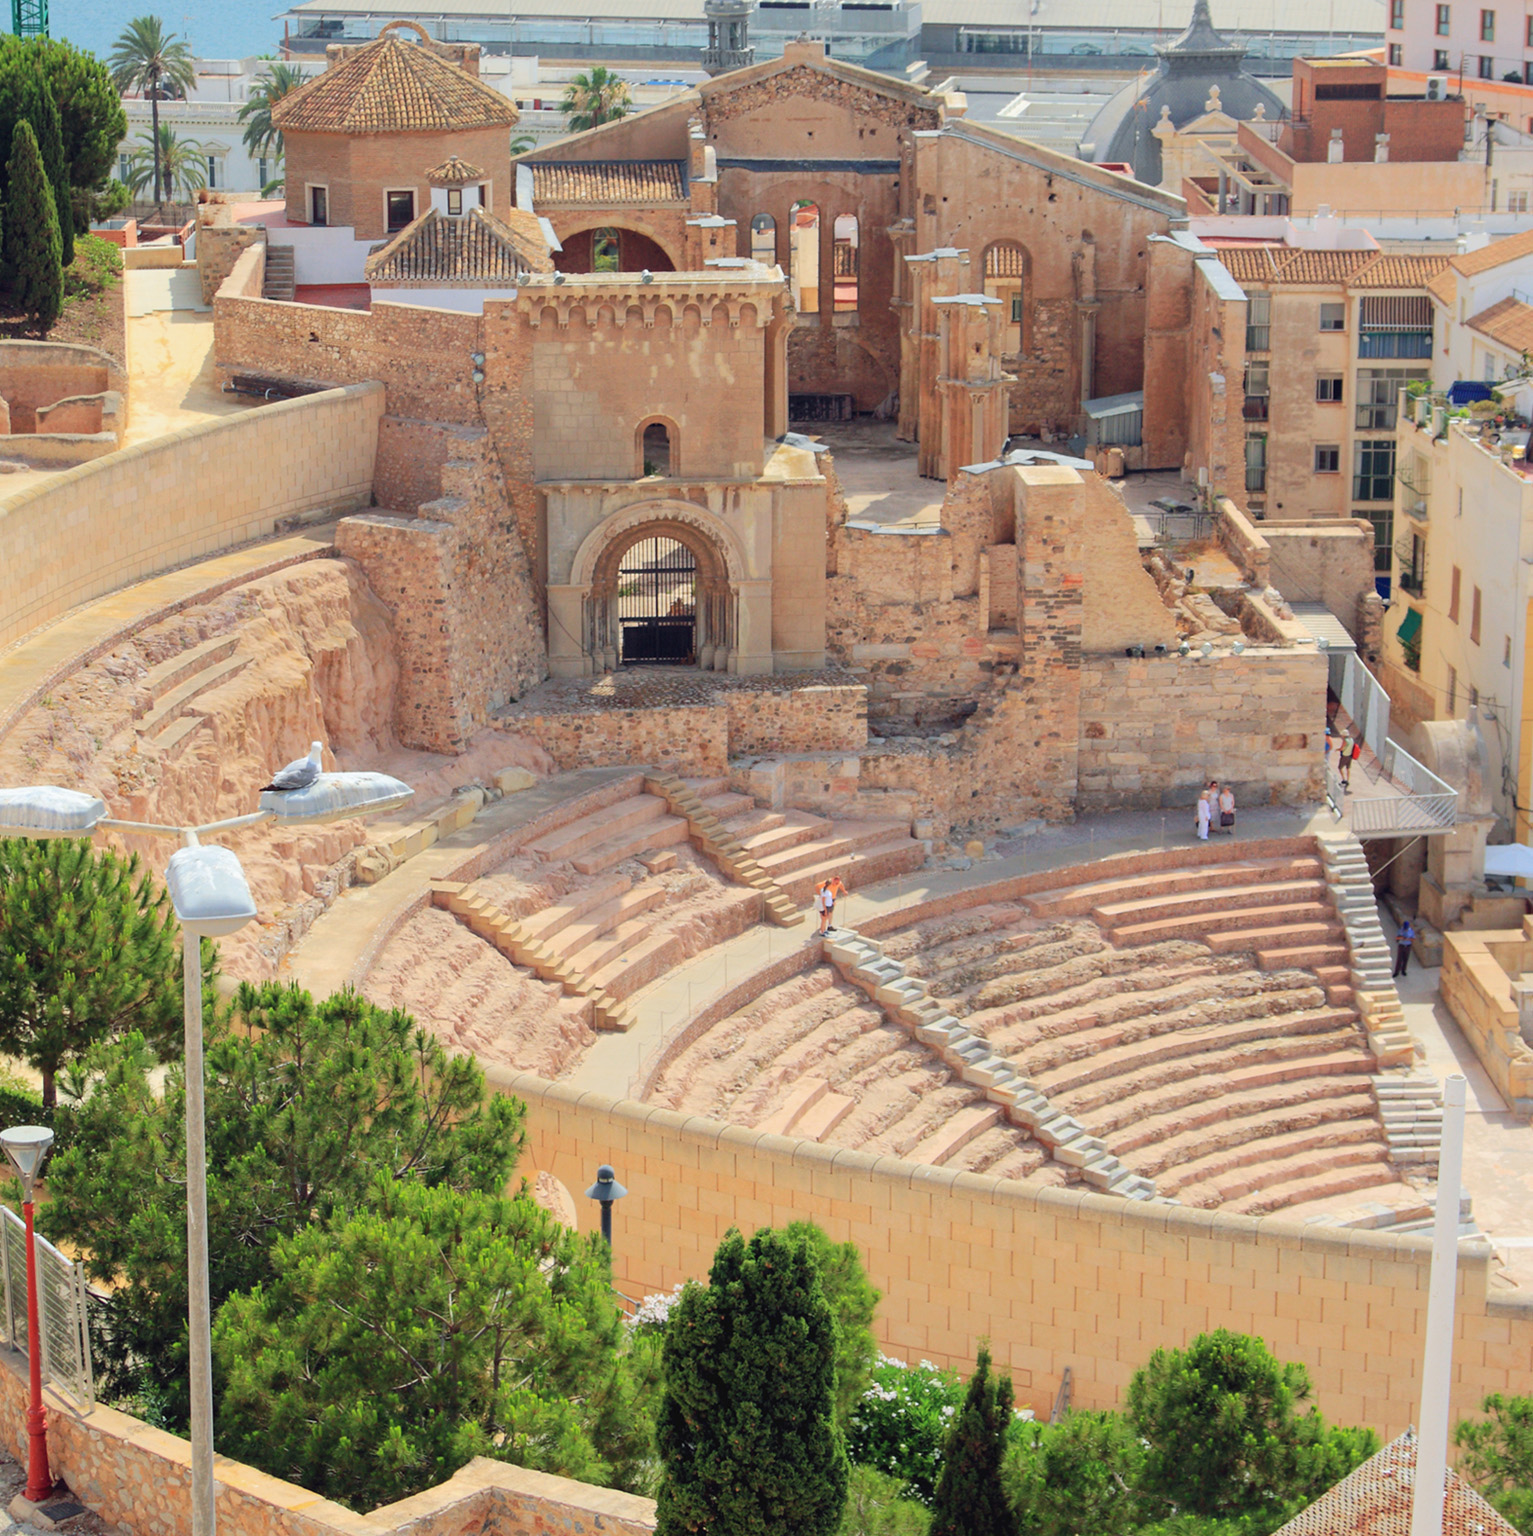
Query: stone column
x=568, y=627
x=752, y=655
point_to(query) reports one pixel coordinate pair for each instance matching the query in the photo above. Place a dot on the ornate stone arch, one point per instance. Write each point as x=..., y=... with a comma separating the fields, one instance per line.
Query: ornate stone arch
x=621, y=220
x=644, y=517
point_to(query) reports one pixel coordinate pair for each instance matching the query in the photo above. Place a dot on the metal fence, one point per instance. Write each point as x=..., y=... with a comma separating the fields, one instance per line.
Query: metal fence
x=65, y=1341
x=1366, y=703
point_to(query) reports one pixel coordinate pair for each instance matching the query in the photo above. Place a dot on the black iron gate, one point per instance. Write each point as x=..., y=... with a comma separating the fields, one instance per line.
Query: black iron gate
x=657, y=602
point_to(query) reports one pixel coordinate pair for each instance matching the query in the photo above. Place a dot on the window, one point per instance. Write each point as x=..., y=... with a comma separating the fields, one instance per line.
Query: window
x=1373, y=469
x=1487, y=67
x=261, y=170
x=1413, y=568
x=319, y=205
x=1506, y=650
x=655, y=449
x=1395, y=325
x=1016, y=304
x=1259, y=322
x=844, y=254
x=1454, y=587
x=1378, y=396
x=454, y=201
x=124, y=169
x=1474, y=617
x=1256, y=463
x=1383, y=520
x=214, y=167
x=1444, y=20
x=400, y=208
x=1487, y=26
x=1530, y=31
x=1327, y=458
x=1517, y=202
x=1258, y=387
x=1333, y=317
x=1328, y=388
x=606, y=251
x=804, y=246
x=1396, y=55
x=1006, y=280
x=1397, y=15
x=1439, y=58
x=1452, y=691
x=764, y=239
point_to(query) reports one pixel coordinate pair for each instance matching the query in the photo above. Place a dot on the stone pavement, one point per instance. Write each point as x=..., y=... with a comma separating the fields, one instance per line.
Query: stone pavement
x=1498, y=1146
x=41, y=660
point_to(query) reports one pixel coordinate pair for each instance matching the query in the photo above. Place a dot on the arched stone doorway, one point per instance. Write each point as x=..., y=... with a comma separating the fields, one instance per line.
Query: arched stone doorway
x=661, y=592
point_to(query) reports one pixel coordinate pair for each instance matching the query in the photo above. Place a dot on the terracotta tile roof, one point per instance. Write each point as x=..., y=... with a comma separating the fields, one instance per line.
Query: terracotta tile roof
x=1444, y=287
x=1510, y=322
x=453, y=172
x=478, y=248
x=1494, y=254
x=1375, y=1500
x=1354, y=269
x=608, y=182
x=392, y=87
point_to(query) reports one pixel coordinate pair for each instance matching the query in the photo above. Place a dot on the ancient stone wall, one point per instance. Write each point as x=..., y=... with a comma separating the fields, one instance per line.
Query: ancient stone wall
x=411, y=456
x=693, y=740
x=90, y=530
x=1167, y=342
x=1216, y=383
x=824, y=719
x=1327, y=562
x=219, y=247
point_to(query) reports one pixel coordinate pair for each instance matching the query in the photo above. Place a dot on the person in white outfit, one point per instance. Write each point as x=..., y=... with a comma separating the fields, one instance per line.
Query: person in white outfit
x=1205, y=815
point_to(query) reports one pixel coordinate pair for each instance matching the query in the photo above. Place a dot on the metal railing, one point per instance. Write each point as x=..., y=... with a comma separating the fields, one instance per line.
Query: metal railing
x=1420, y=803
x=65, y=1341
x=1366, y=703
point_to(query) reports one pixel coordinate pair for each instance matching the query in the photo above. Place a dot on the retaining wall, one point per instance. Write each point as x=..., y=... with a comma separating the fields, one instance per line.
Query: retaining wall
x=192, y=493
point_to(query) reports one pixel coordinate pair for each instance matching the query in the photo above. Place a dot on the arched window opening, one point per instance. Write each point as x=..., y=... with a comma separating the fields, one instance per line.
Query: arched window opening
x=764, y=239
x=1005, y=279
x=657, y=603
x=804, y=239
x=606, y=252
x=656, y=448
x=845, y=258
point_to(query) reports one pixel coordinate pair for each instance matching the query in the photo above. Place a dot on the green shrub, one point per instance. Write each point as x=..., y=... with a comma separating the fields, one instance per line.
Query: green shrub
x=899, y=1425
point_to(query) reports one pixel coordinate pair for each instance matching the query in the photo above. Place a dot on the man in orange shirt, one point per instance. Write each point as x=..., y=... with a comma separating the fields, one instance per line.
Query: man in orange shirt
x=825, y=894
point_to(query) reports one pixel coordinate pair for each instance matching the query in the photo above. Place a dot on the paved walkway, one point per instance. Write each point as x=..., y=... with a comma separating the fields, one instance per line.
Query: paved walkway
x=38, y=662
x=1498, y=1146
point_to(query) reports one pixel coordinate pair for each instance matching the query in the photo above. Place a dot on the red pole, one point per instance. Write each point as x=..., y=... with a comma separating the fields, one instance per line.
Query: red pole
x=39, y=1478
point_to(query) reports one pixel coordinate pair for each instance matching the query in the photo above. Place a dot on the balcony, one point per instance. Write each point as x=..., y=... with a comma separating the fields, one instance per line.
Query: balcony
x=1255, y=408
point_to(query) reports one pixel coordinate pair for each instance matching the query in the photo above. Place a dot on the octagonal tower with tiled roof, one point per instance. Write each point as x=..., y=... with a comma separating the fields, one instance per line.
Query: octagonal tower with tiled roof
x=359, y=137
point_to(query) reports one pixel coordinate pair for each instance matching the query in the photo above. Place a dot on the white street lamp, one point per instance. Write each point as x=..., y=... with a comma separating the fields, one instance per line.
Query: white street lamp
x=26, y=1146
x=211, y=899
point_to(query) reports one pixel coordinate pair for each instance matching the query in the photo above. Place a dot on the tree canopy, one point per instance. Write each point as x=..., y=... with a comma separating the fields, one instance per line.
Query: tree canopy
x=308, y=1105
x=1498, y=1456
x=970, y=1499
x=747, y=1431
x=262, y=136
x=594, y=97
x=853, y=1301
x=147, y=58
x=88, y=946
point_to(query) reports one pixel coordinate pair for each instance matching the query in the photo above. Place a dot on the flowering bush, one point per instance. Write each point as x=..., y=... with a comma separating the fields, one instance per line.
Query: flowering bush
x=899, y=1425
x=654, y=1311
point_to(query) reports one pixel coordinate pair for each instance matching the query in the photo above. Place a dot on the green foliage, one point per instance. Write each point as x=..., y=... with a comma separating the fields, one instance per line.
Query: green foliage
x=262, y=137
x=876, y=1506
x=43, y=113
x=180, y=164
x=853, y=1300
x=747, y=1433
x=971, y=1499
x=1498, y=1456
x=521, y=144
x=97, y=205
x=1224, y=1436
x=98, y=264
x=308, y=1105
x=1081, y=1474
x=393, y=1344
x=149, y=59
x=89, y=105
x=88, y=947
x=595, y=97
x=901, y=1421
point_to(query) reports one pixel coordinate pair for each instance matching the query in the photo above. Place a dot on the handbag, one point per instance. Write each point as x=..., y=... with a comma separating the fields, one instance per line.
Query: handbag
x=1226, y=818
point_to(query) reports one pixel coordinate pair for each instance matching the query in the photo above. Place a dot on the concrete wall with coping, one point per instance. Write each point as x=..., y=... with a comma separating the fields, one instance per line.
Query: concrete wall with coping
x=1480, y=984
x=185, y=496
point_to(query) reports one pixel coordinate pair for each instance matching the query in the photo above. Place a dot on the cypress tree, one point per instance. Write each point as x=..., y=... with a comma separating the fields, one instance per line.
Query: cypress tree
x=32, y=258
x=49, y=128
x=970, y=1500
x=747, y=1428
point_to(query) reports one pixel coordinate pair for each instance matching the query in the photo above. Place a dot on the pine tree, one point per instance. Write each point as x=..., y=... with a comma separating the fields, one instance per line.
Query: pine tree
x=747, y=1432
x=33, y=261
x=87, y=947
x=970, y=1500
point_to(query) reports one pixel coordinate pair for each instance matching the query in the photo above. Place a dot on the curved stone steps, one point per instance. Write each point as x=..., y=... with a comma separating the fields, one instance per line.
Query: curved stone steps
x=1012, y=988
x=1191, y=1096
x=1144, y=909
x=1078, y=900
x=1313, y=1176
x=1187, y=1178
x=1184, y=1148
x=999, y=1153
x=1247, y=1034
x=1272, y=919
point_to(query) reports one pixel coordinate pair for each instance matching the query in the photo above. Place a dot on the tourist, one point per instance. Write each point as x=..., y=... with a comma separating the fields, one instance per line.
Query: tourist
x=825, y=894
x=1205, y=812
x=1344, y=763
x=1403, y=941
x=1227, y=810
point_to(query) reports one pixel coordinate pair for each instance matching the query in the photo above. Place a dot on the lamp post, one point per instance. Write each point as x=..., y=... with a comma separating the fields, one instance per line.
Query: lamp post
x=211, y=899
x=605, y=1190
x=26, y=1146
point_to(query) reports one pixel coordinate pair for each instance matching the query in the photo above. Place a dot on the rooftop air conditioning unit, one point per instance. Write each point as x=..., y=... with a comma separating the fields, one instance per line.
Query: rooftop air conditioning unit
x=1437, y=87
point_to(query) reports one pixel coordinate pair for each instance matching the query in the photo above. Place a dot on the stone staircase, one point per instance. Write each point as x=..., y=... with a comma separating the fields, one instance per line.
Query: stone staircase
x=168, y=716
x=278, y=280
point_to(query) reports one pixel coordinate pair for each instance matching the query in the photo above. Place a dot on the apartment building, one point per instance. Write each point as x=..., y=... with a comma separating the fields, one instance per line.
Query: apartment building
x=1331, y=338
x=1471, y=38
x=1482, y=312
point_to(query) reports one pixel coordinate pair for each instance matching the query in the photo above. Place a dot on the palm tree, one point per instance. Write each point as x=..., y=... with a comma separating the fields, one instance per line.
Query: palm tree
x=147, y=58
x=596, y=98
x=180, y=162
x=521, y=144
x=275, y=82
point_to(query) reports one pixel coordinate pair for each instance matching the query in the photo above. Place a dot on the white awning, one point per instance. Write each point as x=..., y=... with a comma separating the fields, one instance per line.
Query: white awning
x=1510, y=860
x=1323, y=624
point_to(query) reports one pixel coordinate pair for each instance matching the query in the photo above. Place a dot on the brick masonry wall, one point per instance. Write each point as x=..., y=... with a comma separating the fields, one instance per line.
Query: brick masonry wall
x=411, y=456
x=1053, y=1278
x=689, y=740
x=806, y=720
x=219, y=247
x=139, y=1478
x=90, y=530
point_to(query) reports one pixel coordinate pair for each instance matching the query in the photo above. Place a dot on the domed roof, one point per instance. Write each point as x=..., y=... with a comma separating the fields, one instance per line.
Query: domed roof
x=1190, y=67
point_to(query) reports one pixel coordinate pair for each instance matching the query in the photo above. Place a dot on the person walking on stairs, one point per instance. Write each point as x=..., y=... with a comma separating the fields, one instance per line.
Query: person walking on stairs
x=1403, y=941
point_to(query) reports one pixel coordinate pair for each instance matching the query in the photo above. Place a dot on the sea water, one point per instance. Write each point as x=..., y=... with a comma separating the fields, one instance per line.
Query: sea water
x=216, y=29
